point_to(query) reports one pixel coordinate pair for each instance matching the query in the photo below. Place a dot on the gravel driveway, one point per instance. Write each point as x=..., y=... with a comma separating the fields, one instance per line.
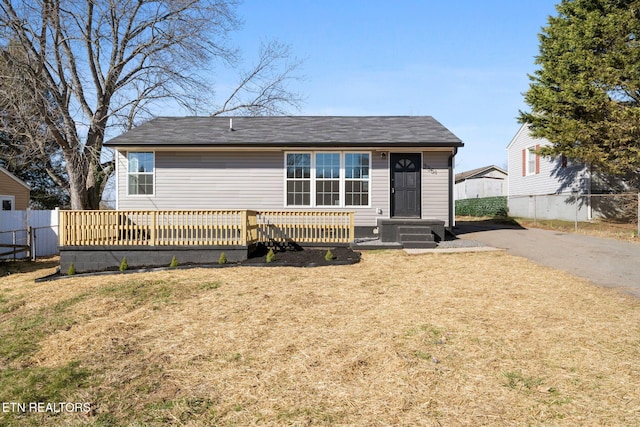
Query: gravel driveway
x=606, y=262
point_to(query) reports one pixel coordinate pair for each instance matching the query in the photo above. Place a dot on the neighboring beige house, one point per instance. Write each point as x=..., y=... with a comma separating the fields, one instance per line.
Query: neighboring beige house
x=487, y=181
x=14, y=193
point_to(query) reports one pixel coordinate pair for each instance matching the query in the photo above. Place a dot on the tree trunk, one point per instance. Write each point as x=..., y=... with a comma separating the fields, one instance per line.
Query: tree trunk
x=76, y=170
x=93, y=186
x=94, y=174
x=67, y=60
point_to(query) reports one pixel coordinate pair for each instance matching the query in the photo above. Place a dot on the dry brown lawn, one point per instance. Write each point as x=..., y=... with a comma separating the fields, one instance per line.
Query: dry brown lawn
x=435, y=339
x=612, y=230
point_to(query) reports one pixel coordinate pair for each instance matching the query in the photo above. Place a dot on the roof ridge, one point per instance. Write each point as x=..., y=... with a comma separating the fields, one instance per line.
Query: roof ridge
x=15, y=178
x=288, y=130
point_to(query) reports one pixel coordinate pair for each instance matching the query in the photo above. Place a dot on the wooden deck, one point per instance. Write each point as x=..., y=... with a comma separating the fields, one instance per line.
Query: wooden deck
x=203, y=227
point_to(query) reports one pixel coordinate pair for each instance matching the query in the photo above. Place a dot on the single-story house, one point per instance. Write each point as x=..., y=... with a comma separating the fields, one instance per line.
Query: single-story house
x=14, y=193
x=378, y=167
x=487, y=181
x=392, y=176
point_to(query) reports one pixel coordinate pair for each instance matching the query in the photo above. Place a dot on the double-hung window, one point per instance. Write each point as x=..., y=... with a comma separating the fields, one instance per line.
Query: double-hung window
x=327, y=179
x=530, y=161
x=299, y=179
x=356, y=179
x=335, y=179
x=140, y=173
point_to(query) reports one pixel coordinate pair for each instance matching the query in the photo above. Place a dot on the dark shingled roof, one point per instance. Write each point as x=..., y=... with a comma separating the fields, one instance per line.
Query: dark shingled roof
x=289, y=131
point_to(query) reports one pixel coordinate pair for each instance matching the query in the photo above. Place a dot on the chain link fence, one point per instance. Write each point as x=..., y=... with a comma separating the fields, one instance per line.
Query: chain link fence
x=616, y=210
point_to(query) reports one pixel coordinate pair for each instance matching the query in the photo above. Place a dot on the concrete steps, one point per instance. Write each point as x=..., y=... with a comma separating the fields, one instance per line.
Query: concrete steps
x=414, y=234
x=416, y=237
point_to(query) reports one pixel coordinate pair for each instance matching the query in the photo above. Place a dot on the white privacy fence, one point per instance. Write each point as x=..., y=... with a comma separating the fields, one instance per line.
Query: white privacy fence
x=33, y=229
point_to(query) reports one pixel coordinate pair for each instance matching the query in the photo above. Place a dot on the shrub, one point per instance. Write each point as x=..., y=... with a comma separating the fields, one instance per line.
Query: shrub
x=123, y=265
x=222, y=259
x=174, y=262
x=329, y=255
x=271, y=256
x=72, y=270
x=485, y=206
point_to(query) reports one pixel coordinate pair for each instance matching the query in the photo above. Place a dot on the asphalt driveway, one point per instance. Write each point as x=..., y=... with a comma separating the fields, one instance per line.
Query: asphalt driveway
x=606, y=262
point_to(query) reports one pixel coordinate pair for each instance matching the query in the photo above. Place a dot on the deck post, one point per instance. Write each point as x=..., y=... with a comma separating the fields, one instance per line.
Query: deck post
x=154, y=225
x=352, y=226
x=243, y=227
x=252, y=227
x=61, y=228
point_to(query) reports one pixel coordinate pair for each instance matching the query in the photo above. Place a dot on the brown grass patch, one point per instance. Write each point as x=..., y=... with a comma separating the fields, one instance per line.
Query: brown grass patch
x=598, y=228
x=450, y=339
x=612, y=230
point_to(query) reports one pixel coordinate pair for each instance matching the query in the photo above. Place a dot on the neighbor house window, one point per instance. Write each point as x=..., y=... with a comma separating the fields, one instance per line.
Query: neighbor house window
x=356, y=179
x=531, y=161
x=140, y=173
x=7, y=202
x=299, y=179
x=335, y=179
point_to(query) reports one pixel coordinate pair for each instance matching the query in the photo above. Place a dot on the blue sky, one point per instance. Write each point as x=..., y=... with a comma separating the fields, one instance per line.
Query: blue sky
x=464, y=62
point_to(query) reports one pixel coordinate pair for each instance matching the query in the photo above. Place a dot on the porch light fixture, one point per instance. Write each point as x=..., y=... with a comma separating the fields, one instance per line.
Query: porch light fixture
x=383, y=155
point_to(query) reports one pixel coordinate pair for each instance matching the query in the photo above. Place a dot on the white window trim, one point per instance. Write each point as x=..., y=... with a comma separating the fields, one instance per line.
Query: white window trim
x=153, y=174
x=12, y=199
x=342, y=187
x=529, y=150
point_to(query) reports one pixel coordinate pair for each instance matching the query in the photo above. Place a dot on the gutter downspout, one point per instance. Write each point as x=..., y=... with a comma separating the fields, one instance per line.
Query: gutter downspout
x=452, y=209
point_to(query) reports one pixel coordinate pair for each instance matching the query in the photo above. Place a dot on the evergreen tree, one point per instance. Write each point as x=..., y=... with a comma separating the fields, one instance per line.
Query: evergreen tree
x=585, y=97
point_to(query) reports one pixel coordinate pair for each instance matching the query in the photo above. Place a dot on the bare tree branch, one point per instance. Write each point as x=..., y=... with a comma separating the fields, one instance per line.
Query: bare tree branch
x=263, y=90
x=83, y=67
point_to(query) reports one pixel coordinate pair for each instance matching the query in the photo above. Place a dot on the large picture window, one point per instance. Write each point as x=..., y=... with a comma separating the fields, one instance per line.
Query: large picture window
x=335, y=179
x=140, y=173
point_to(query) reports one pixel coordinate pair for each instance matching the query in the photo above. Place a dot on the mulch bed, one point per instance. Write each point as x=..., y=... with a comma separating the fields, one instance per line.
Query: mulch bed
x=303, y=257
x=291, y=256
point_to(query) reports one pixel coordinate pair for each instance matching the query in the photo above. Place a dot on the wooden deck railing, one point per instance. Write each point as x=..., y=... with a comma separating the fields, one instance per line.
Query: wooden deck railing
x=306, y=226
x=153, y=228
x=202, y=227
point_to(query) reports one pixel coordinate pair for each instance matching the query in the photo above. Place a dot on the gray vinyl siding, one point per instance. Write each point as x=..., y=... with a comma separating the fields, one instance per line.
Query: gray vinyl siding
x=435, y=186
x=256, y=180
x=552, y=178
x=211, y=180
x=380, y=191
